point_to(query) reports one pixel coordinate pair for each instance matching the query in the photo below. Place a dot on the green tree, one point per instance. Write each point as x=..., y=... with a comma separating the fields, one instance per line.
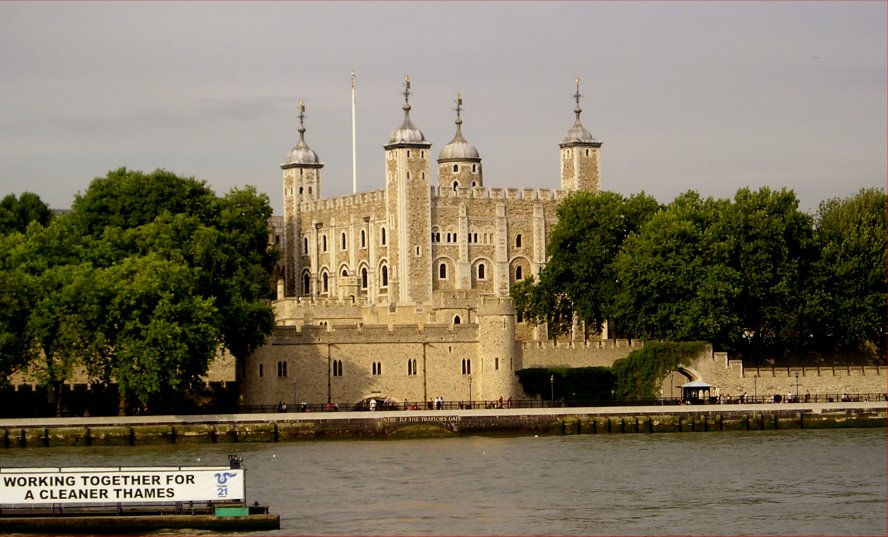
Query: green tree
x=17, y=213
x=847, y=305
x=580, y=277
x=673, y=269
x=730, y=273
x=215, y=258
x=158, y=335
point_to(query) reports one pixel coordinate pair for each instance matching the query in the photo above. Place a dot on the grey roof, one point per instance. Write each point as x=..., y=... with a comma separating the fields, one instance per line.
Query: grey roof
x=301, y=154
x=407, y=133
x=696, y=384
x=458, y=148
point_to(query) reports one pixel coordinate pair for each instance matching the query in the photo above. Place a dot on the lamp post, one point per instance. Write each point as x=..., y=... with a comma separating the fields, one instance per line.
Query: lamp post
x=755, y=387
x=797, y=385
x=552, y=385
x=470, y=391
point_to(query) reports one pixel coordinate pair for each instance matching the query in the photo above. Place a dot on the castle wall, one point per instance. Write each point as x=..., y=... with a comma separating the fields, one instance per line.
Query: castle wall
x=732, y=379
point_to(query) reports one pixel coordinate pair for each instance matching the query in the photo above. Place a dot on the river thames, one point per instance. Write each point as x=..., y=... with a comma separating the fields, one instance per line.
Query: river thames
x=800, y=482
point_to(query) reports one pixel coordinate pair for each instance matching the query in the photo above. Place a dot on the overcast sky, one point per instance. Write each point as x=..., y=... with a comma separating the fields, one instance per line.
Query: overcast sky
x=699, y=96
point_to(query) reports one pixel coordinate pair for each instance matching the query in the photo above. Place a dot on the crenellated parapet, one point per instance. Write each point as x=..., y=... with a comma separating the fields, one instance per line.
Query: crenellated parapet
x=496, y=193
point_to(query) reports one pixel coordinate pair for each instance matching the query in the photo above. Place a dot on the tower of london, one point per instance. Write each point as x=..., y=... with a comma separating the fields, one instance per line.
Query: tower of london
x=403, y=292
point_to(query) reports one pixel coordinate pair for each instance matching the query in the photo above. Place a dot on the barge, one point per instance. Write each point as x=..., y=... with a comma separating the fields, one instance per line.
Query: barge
x=129, y=499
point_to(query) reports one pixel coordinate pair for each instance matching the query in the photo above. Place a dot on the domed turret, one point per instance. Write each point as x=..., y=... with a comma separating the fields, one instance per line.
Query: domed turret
x=301, y=154
x=458, y=148
x=580, y=167
x=459, y=163
x=578, y=134
x=407, y=133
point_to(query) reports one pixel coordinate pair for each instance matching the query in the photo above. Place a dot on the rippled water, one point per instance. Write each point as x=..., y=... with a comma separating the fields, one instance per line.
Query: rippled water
x=744, y=483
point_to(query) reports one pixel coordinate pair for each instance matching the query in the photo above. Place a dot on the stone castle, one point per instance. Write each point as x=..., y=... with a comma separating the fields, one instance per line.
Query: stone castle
x=404, y=292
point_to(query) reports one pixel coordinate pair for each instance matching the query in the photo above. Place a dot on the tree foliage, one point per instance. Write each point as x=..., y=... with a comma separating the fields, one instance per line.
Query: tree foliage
x=17, y=213
x=753, y=275
x=638, y=375
x=580, y=278
x=847, y=302
x=141, y=284
x=575, y=384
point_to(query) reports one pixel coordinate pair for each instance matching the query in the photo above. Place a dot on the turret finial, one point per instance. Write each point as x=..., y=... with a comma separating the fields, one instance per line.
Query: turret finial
x=301, y=118
x=577, y=96
x=458, y=108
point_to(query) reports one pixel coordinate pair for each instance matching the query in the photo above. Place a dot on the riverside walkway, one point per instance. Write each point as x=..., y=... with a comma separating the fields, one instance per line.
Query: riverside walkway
x=392, y=424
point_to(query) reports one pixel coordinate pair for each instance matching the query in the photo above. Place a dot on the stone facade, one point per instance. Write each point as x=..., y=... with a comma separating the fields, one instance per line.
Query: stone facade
x=404, y=292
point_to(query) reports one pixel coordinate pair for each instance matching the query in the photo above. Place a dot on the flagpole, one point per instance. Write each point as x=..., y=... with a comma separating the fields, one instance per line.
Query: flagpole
x=354, y=154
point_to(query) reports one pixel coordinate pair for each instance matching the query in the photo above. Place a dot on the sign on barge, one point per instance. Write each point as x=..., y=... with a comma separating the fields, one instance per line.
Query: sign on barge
x=128, y=499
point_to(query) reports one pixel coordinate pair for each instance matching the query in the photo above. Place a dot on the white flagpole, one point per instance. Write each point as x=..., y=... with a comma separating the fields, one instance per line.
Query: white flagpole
x=354, y=155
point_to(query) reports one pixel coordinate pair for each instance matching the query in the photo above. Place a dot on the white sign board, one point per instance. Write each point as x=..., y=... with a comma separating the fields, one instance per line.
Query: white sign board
x=120, y=485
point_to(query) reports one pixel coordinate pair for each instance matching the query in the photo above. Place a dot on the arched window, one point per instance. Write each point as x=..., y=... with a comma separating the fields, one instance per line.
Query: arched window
x=455, y=185
x=324, y=279
x=456, y=319
x=306, y=281
x=282, y=369
x=481, y=271
x=455, y=168
x=442, y=271
x=518, y=240
x=385, y=275
x=337, y=368
x=467, y=366
x=363, y=277
x=305, y=245
x=300, y=190
x=309, y=190
x=518, y=273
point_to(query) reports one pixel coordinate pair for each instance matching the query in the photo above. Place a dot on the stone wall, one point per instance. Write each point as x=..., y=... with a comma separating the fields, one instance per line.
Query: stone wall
x=729, y=377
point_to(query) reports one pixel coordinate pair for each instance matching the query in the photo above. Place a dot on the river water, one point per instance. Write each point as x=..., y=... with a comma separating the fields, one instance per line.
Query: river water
x=820, y=482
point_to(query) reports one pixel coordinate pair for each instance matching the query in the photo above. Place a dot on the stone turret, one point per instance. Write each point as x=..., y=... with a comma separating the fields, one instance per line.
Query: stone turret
x=302, y=178
x=408, y=203
x=580, y=165
x=459, y=164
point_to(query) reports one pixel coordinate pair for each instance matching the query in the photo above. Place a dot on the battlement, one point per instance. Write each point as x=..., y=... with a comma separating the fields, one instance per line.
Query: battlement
x=565, y=344
x=371, y=197
x=478, y=192
x=376, y=333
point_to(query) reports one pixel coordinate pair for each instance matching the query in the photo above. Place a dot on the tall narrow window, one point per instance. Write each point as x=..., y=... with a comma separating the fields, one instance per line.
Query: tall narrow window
x=324, y=279
x=455, y=185
x=518, y=274
x=518, y=240
x=455, y=168
x=385, y=275
x=382, y=236
x=343, y=241
x=442, y=271
x=306, y=280
x=305, y=245
x=363, y=239
x=481, y=271
x=261, y=370
x=323, y=243
x=364, y=278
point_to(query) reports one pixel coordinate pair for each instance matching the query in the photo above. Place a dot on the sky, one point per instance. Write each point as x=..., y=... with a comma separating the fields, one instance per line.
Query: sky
x=703, y=96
